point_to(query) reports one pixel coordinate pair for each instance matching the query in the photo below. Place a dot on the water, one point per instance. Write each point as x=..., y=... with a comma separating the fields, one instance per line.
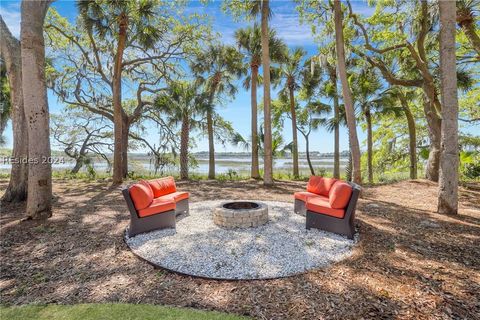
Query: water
x=239, y=164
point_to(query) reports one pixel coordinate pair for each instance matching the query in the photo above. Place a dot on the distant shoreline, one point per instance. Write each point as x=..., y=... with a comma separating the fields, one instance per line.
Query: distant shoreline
x=4, y=152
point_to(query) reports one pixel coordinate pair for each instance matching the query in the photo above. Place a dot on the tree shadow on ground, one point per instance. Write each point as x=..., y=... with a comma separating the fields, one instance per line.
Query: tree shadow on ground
x=409, y=263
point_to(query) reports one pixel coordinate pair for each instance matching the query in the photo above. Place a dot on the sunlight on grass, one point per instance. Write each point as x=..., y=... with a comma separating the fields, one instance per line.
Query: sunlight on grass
x=109, y=312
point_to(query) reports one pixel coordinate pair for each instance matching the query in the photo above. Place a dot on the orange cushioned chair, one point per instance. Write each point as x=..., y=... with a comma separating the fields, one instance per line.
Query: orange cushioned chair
x=329, y=204
x=153, y=204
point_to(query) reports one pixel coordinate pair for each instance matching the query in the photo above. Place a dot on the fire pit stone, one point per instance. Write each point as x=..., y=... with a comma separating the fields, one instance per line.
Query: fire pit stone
x=240, y=214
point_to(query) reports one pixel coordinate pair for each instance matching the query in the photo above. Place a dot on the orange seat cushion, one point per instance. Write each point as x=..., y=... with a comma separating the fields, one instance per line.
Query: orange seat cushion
x=322, y=205
x=162, y=186
x=320, y=185
x=158, y=205
x=304, y=195
x=176, y=196
x=141, y=194
x=340, y=195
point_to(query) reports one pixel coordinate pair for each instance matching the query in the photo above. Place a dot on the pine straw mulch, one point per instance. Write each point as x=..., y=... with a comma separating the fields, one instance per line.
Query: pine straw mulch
x=410, y=263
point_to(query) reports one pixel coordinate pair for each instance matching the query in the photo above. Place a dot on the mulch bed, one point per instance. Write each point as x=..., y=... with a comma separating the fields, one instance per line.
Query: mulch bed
x=410, y=262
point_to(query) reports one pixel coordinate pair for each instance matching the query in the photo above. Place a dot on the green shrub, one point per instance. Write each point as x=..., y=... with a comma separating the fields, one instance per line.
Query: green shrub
x=471, y=171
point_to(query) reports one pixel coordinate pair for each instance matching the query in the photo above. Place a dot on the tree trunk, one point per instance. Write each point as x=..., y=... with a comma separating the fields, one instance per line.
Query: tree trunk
x=118, y=167
x=307, y=150
x=125, y=135
x=184, y=147
x=255, y=166
x=78, y=165
x=349, y=169
x=10, y=52
x=336, y=153
x=294, y=134
x=211, y=145
x=347, y=94
x=368, y=117
x=267, y=143
x=434, y=133
x=39, y=202
x=468, y=27
x=412, y=136
x=448, y=184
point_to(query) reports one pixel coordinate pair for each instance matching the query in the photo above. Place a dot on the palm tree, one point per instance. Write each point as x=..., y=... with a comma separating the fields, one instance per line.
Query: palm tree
x=333, y=93
x=448, y=182
x=180, y=103
x=366, y=86
x=268, y=160
x=254, y=8
x=329, y=88
x=327, y=61
x=466, y=20
x=217, y=68
x=347, y=94
x=333, y=124
x=290, y=72
x=39, y=200
x=249, y=43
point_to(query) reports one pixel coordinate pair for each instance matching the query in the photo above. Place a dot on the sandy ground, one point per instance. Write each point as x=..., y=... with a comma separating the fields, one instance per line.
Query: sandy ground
x=410, y=263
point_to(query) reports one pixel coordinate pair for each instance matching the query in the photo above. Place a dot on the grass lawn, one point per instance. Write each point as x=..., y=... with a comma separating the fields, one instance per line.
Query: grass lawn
x=109, y=311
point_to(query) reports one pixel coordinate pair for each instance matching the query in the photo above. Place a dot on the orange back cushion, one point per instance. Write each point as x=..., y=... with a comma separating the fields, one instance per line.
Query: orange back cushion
x=141, y=194
x=320, y=185
x=162, y=186
x=340, y=195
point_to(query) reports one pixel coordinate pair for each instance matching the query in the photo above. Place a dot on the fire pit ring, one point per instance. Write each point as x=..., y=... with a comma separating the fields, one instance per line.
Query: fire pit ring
x=240, y=214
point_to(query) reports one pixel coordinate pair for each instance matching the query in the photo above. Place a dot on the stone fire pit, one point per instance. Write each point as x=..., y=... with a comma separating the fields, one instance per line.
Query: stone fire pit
x=240, y=214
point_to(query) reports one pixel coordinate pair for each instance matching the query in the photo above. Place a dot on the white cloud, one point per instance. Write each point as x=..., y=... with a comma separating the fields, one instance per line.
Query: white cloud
x=10, y=12
x=288, y=28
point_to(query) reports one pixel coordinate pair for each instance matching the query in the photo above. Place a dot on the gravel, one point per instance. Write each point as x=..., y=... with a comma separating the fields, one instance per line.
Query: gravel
x=280, y=248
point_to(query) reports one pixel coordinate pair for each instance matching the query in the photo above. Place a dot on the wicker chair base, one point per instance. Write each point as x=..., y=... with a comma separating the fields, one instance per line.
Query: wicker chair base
x=300, y=207
x=182, y=207
x=331, y=224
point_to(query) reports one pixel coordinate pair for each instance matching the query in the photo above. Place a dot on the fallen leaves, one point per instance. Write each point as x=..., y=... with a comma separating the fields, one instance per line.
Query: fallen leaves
x=410, y=263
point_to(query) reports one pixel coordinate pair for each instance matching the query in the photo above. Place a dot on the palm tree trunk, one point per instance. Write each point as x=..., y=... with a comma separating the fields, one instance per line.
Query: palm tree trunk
x=39, y=202
x=336, y=153
x=448, y=184
x=118, y=168
x=267, y=144
x=211, y=141
x=468, y=28
x=294, y=134
x=255, y=166
x=412, y=136
x=11, y=54
x=347, y=94
x=349, y=169
x=184, y=147
x=368, y=117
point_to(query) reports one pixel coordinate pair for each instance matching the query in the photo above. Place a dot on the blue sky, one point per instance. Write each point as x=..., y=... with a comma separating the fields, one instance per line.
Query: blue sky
x=285, y=21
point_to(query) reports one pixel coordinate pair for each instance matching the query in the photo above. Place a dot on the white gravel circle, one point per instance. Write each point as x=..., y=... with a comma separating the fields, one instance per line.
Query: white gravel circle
x=280, y=248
